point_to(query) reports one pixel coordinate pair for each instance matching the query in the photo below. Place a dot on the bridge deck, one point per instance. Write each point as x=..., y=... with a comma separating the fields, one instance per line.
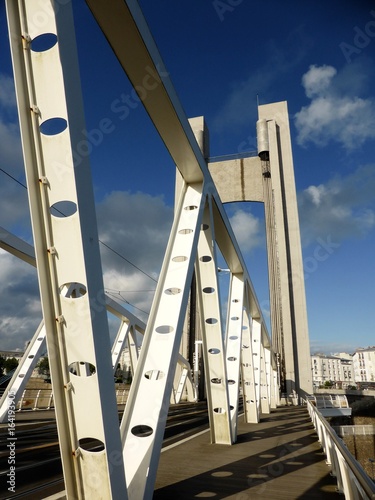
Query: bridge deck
x=279, y=458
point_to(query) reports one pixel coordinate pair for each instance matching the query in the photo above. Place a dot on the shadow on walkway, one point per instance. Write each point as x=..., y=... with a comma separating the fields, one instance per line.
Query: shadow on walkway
x=279, y=458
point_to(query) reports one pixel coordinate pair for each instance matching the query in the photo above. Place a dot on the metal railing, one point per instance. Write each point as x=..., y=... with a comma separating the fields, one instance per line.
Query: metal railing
x=42, y=399
x=352, y=481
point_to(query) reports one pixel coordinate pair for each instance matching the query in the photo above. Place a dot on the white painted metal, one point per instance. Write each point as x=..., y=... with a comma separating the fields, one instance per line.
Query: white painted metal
x=264, y=392
x=53, y=179
x=256, y=343
x=251, y=408
x=212, y=333
x=233, y=346
x=66, y=247
x=144, y=419
x=119, y=343
x=185, y=382
x=24, y=369
x=352, y=481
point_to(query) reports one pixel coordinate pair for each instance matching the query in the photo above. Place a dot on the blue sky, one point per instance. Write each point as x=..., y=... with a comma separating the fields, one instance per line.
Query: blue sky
x=318, y=56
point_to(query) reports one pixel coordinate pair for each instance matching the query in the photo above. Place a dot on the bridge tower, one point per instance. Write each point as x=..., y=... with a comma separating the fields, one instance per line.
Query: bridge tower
x=269, y=178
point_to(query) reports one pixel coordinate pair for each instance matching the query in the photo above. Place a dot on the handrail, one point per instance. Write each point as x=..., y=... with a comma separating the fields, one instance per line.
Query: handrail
x=366, y=484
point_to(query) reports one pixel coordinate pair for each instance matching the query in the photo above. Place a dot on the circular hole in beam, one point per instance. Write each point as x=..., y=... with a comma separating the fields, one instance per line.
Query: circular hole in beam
x=53, y=126
x=172, y=291
x=190, y=207
x=185, y=231
x=231, y=382
x=43, y=42
x=211, y=321
x=232, y=358
x=154, y=375
x=205, y=258
x=204, y=227
x=214, y=350
x=82, y=369
x=62, y=209
x=179, y=258
x=234, y=318
x=73, y=290
x=208, y=289
x=142, y=431
x=233, y=337
x=216, y=380
x=164, y=329
x=219, y=410
x=91, y=444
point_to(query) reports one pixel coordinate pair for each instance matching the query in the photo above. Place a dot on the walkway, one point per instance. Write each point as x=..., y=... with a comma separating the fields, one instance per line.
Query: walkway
x=277, y=459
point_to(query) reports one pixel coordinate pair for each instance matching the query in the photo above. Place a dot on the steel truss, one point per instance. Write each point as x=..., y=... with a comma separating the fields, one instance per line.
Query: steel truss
x=69, y=268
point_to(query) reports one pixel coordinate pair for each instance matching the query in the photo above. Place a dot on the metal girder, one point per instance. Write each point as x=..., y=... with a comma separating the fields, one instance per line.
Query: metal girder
x=24, y=369
x=250, y=403
x=233, y=345
x=264, y=387
x=256, y=339
x=66, y=248
x=145, y=414
x=126, y=30
x=212, y=333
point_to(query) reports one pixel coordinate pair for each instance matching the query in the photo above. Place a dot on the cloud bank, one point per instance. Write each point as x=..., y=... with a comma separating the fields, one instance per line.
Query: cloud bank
x=337, y=111
x=342, y=208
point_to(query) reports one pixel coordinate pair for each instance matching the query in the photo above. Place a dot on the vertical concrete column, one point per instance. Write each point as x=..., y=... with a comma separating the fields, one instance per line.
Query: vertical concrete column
x=292, y=287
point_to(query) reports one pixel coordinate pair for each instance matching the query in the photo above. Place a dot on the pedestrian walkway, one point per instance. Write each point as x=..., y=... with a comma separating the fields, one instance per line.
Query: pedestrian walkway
x=278, y=459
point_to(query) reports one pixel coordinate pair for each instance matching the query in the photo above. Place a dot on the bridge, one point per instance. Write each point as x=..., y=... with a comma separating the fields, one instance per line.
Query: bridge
x=186, y=315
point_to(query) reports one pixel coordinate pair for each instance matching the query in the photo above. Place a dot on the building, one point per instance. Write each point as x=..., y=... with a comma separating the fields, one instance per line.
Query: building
x=335, y=369
x=364, y=365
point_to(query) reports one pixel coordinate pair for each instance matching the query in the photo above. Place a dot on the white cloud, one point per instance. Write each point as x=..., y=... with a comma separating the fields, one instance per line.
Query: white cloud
x=342, y=208
x=247, y=230
x=20, y=310
x=7, y=92
x=334, y=113
x=318, y=79
x=137, y=226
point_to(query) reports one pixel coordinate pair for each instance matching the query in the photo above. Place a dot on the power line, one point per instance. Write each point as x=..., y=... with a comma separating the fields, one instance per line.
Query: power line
x=126, y=260
x=100, y=241
x=118, y=294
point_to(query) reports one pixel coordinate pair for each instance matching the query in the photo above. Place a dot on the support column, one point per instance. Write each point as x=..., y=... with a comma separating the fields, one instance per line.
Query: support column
x=296, y=346
x=66, y=246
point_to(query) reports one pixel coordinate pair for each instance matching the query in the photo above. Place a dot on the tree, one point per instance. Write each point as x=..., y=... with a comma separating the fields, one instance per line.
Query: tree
x=10, y=364
x=43, y=367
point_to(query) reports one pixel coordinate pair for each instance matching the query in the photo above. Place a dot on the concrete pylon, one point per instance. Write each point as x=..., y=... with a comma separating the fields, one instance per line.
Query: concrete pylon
x=269, y=178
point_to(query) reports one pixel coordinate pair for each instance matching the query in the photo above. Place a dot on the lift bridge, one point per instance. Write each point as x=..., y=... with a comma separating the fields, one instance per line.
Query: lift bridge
x=66, y=254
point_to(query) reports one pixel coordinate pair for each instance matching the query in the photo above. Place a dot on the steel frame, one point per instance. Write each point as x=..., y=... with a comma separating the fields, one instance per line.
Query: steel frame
x=47, y=94
x=200, y=225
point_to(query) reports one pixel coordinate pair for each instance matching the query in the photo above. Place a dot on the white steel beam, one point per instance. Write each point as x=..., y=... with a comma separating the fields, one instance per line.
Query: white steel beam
x=126, y=30
x=119, y=343
x=212, y=333
x=23, y=371
x=264, y=388
x=251, y=407
x=256, y=339
x=233, y=346
x=145, y=415
x=67, y=251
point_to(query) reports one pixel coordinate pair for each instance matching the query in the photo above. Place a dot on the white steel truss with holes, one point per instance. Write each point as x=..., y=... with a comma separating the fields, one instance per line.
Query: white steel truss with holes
x=233, y=346
x=66, y=248
x=69, y=268
x=142, y=429
x=212, y=332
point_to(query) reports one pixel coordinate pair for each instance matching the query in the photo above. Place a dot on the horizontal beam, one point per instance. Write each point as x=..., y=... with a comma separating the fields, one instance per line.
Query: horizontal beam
x=126, y=30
